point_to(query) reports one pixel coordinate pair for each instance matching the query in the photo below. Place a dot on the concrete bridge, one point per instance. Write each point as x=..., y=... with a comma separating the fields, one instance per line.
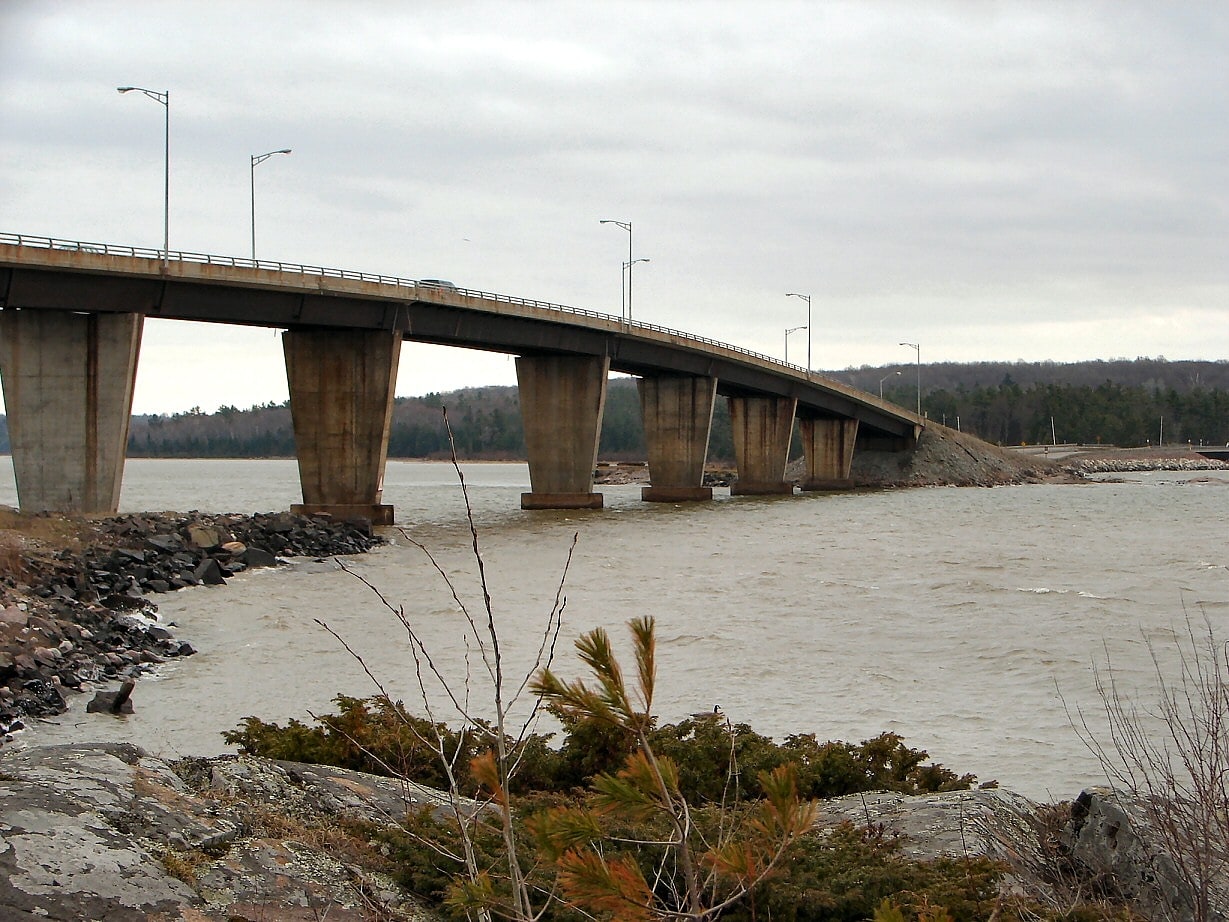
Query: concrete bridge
x=71, y=317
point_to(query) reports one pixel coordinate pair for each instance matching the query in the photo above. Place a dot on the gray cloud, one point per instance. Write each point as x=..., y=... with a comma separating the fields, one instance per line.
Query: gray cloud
x=997, y=181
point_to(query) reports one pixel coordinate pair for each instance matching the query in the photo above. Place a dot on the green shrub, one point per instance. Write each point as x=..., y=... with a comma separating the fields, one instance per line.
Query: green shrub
x=380, y=737
x=372, y=735
x=845, y=874
x=883, y=763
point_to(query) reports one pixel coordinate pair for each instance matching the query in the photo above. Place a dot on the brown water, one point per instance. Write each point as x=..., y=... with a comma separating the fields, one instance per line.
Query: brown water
x=951, y=616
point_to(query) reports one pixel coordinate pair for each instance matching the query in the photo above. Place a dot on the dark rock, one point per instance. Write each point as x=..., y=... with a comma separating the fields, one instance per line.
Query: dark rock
x=186, y=649
x=258, y=557
x=168, y=544
x=124, y=602
x=116, y=702
x=41, y=697
x=1111, y=836
x=209, y=573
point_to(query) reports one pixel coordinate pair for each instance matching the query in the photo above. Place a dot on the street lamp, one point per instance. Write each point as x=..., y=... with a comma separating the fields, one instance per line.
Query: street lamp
x=807, y=298
x=627, y=226
x=917, y=348
x=627, y=267
x=884, y=378
x=787, y=332
x=163, y=99
x=258, y=159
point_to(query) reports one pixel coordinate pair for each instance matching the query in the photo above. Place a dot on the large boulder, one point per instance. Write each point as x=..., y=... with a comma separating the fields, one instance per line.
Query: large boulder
x=107, y=832
x=982, y=823
x=1113, y=837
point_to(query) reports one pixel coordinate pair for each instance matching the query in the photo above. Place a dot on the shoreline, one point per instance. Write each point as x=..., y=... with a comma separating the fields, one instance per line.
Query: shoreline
x=77, y=608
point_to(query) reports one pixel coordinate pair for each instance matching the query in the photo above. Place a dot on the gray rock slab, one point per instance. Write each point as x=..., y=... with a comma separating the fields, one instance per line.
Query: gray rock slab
x=87, y=832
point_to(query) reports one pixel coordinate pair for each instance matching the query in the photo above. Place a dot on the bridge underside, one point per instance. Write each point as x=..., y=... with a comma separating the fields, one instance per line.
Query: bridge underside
x=69, y=342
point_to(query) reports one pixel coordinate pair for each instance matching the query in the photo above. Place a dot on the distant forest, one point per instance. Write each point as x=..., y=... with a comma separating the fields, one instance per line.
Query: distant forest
x=1124, y=403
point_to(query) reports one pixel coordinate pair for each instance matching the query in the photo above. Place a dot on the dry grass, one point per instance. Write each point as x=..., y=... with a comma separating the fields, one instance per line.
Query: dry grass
x=185, y=865
x=46, y=530
x=23, y=536
x=348, y=841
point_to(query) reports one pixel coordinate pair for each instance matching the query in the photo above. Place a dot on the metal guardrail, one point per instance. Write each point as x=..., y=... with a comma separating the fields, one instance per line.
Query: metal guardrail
x=111, y=249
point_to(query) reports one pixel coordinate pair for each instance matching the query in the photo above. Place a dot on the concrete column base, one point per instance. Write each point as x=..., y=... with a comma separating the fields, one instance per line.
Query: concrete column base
x=761, y=488
x=562, y=398
x=341, y=404
x=678, y=417
x=675, y=494
x=828, y=445
x=827, y=485
x=375, y=513
x=561, y=500
x=761, y=428
x=68, y=381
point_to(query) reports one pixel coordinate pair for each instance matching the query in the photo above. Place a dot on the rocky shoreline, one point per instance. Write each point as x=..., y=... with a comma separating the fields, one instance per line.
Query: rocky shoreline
x=76, y=596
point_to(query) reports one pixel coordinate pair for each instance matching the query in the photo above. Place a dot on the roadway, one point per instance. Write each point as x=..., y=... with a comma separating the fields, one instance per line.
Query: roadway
x=49, y=273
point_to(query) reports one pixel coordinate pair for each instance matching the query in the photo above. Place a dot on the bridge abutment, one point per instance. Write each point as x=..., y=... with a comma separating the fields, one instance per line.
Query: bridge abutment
x=762, y=428
x=341, y=402
x=678, y=417
x=828, y=445
x=68, y=382
x=562, y=399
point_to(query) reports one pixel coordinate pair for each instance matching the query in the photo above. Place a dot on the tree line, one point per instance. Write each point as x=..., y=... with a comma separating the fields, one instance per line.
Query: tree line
x=1136, y=403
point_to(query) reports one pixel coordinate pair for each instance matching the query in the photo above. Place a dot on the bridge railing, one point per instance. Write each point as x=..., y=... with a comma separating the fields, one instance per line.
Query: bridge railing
x=111, y=249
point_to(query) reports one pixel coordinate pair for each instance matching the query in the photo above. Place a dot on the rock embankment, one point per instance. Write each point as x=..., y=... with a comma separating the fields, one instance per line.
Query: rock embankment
x=83, y=613
x=1109, y=465
x=946, y=457
x=105, y=831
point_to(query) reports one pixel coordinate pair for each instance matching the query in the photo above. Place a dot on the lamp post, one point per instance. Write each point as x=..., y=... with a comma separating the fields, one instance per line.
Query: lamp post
x=164, y=100
x=258, y=159
x=787, y=332
x=807, y=298
x=918, y=349
x=627, y=226
x=884, y=378
x=627, y=267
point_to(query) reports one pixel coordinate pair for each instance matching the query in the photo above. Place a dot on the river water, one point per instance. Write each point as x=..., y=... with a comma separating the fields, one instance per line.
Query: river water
x=961, y=618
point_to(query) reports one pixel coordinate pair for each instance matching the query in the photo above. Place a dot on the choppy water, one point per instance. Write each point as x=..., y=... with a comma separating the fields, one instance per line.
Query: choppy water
x=953, y=616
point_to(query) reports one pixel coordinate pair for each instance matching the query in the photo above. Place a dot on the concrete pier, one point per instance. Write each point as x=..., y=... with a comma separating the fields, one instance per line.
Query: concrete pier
x=68, y=381
x=762, y=428
x=341, y=402
x=828, y=445
x=562, y=400
x=678, y=417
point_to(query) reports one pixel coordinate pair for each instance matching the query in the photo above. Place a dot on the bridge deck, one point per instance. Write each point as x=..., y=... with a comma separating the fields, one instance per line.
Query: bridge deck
x=46, y=273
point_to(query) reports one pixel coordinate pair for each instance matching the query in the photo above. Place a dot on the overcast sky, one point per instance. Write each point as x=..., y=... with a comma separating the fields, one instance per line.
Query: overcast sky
x=993, y=181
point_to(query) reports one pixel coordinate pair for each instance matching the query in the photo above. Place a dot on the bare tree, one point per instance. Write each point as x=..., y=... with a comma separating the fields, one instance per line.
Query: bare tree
x=1173, y=756
x=499, y=739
